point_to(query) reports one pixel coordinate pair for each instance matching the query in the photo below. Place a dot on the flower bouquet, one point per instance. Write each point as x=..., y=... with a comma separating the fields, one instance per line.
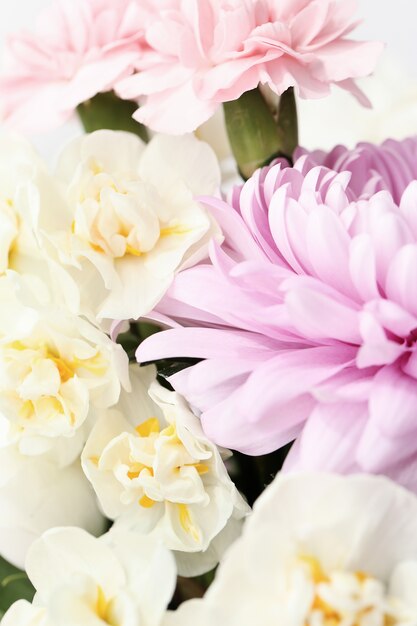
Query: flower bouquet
x=208, y=334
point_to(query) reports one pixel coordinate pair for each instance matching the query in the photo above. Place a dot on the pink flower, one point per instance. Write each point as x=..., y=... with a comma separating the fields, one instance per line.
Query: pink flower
x=78, y=49
x=205, y=52
x=391, y=166
x=307, y=317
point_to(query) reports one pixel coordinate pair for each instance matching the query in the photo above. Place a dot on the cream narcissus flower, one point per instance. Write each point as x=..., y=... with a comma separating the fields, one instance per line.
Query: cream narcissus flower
x=19, y=169
x=156, y=473
x=35, y=495
x=132, y=218
x=22, y=613
x=26, y=188
x=56, y=369
x=120, y=579
x=319, y=550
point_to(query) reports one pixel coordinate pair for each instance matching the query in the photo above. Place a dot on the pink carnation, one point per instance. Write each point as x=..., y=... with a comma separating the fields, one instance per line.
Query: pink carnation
x=78, y=49
x=205, y=52
x=307, y=317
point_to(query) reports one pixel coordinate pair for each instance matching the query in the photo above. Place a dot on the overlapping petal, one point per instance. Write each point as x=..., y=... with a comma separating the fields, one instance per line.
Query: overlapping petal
x=324, y=320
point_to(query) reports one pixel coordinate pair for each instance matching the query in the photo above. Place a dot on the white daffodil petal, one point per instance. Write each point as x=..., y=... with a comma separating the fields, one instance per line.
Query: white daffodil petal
x=169, y=159
x=36, y=495
x=22, y=613
x=60, y=553
x=144, y=571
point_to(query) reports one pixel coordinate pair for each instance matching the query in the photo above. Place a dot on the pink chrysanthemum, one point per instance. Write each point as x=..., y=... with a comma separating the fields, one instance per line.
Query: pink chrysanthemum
x=205, y=52
x=78, y=49
x=307, y=317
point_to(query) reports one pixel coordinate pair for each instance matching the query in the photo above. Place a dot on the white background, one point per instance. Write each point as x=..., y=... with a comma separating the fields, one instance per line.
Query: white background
x=395, y=23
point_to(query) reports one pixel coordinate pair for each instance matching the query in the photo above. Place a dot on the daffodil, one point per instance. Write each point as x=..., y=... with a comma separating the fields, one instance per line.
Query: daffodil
x=131, y=219
x=156, y=473
x=56, y=370
x=120, y=580
x=319, y=550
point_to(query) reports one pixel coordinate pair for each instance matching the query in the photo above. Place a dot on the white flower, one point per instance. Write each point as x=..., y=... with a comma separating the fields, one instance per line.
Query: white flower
x=132, y=219
x=19, y=168
x=319, y=550
x=156, y=473
x=55, y=369
x=122, y=579
x=23, y=613
x=26, y=188
x=36, y=495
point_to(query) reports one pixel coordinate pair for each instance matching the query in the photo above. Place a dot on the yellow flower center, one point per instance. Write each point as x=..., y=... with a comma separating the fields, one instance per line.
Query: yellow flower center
x=325, y=612
x=151, y=428
x=112, y=230
x=24, y=358
x=103, y=608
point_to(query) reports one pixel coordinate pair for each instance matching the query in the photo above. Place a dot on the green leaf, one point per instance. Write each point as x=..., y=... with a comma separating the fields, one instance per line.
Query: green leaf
x=14, y=585
x=129, y=342
x=138, y=332
x=106, y=110
x=147, y=329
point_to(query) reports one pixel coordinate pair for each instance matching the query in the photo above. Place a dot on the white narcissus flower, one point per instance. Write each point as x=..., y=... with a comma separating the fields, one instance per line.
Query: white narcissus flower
x=26, y=187
x=19, y=167
x=36, y=495
x=156, y=473
x=319, y=550
x=121, y=579
x=23, y=613
x=56, y=369
x=132, y=218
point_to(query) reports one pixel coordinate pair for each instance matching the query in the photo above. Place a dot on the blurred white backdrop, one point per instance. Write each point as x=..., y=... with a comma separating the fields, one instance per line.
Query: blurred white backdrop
x=337, y=119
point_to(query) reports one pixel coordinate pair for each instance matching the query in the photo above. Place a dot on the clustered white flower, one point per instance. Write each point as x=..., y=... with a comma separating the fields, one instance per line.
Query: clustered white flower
x=319, y=550
x=100, y=241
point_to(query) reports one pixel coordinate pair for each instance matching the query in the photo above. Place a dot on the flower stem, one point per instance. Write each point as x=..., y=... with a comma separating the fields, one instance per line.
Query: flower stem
x=287, y=123
x=106, y=110
x=255, y=135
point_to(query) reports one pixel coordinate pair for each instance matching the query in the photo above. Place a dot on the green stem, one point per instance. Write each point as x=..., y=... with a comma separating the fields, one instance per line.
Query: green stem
x=287, y=124
x=106, y=110
x=255, y=135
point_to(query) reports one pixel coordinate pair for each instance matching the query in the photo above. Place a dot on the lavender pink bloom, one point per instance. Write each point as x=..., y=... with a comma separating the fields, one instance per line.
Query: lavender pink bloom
x=77, y=49
x=307, y=315
x=205, y=52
